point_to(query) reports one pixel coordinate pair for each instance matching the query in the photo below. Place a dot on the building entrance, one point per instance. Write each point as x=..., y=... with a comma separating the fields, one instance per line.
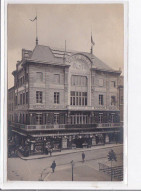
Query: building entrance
x=83, y=142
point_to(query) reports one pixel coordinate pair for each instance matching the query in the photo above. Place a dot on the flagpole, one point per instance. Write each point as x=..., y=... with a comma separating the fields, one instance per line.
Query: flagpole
x=64, y=57
x=91, y=64
x=65, y=46
x=36, y=30
x=91, y=43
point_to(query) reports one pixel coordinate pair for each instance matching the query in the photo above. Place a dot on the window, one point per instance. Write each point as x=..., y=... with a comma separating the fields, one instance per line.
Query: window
x=77, y=80
x=39, y=119
x=26, y=97
x=16, y=102
x=23, y=79
x=83, y=81
x=27, y=118
x=100, y=117
x=113, y=100
x=20, y=118
x=23, y=119
x=121, y=100
x=101, y=102
x=113, y=84
x=19, y=82
x=93, y=79
x=20, y=98
x=72, y=81
x=57, y=78
x=78, y=98
x=23, y=98
x=26, y=77
x=79, y=119
x=112, y=117
x=56, y=97
x=39, y=76
x=56, y=118
x=84, y=98
x=39, y=97
x=72, y=97
x=101, y=82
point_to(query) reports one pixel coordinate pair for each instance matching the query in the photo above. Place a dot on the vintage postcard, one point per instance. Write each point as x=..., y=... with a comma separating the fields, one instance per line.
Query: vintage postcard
x=65, y=95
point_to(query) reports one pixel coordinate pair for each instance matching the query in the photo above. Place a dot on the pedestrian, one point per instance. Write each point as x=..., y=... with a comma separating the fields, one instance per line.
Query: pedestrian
x=53, y=166
x=50, y=151
x=83, y=156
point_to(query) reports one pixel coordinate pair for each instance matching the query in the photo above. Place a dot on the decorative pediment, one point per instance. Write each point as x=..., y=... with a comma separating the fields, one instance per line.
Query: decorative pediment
x=79, y=62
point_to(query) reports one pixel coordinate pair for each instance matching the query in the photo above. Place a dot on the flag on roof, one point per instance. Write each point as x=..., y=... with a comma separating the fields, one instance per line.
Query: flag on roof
x=33, y=19
x=92, y=42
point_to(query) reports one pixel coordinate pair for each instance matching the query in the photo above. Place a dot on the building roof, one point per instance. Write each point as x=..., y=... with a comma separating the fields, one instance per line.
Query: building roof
x=12, y=88
x=97, y=63
x=44, y=54
x=54, y=56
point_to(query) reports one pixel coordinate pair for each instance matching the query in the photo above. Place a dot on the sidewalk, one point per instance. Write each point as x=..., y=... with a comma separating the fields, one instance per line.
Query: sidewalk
x=64, y=152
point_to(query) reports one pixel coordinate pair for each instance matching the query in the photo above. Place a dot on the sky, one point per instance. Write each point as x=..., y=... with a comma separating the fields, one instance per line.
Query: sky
x=73, y=23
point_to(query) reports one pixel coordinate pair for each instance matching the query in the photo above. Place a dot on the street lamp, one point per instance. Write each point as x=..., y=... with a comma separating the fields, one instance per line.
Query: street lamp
x=72, y=164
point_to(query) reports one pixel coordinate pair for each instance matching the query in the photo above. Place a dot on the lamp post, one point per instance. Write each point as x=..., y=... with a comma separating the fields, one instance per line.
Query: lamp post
x=112, y=157
x=72, y=164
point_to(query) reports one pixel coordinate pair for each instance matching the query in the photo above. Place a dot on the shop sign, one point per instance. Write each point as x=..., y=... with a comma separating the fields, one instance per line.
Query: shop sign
x=93, y=141
x=64, y=143
x=70, y=138
x=32, y=146
x=107, y=139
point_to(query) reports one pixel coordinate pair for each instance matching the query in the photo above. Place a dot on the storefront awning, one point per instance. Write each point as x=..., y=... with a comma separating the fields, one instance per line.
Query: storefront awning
x=65, y=134
x=19, y=133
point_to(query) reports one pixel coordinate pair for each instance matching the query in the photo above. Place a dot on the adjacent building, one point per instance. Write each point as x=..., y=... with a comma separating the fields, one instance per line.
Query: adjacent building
x=121, y=105
x=64, y=99
x=10, y=108
x=121, y=97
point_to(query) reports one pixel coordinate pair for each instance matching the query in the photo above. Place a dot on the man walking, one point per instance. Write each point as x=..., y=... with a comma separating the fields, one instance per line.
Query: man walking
x=83, y=156
x=53, y=166
x=50, y=151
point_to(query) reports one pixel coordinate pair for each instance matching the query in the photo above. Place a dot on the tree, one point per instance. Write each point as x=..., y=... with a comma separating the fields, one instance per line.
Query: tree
x=112, y=157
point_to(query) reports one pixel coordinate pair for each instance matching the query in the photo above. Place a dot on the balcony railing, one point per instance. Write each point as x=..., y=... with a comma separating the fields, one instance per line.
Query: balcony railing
x=106, y=125
x=64, y=126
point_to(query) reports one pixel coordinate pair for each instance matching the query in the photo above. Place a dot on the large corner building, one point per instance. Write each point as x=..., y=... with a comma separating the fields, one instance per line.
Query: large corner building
x=63, y=100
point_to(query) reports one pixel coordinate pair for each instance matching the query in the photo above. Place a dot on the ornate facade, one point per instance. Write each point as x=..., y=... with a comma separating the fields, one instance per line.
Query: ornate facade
x=64, y=100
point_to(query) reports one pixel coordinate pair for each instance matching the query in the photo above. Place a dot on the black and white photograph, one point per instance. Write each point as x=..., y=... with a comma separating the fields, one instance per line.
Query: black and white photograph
x=65, y=99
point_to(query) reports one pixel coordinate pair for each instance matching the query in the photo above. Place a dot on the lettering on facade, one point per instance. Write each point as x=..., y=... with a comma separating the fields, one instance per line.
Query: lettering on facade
x=38, y=106
x=79, y=62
